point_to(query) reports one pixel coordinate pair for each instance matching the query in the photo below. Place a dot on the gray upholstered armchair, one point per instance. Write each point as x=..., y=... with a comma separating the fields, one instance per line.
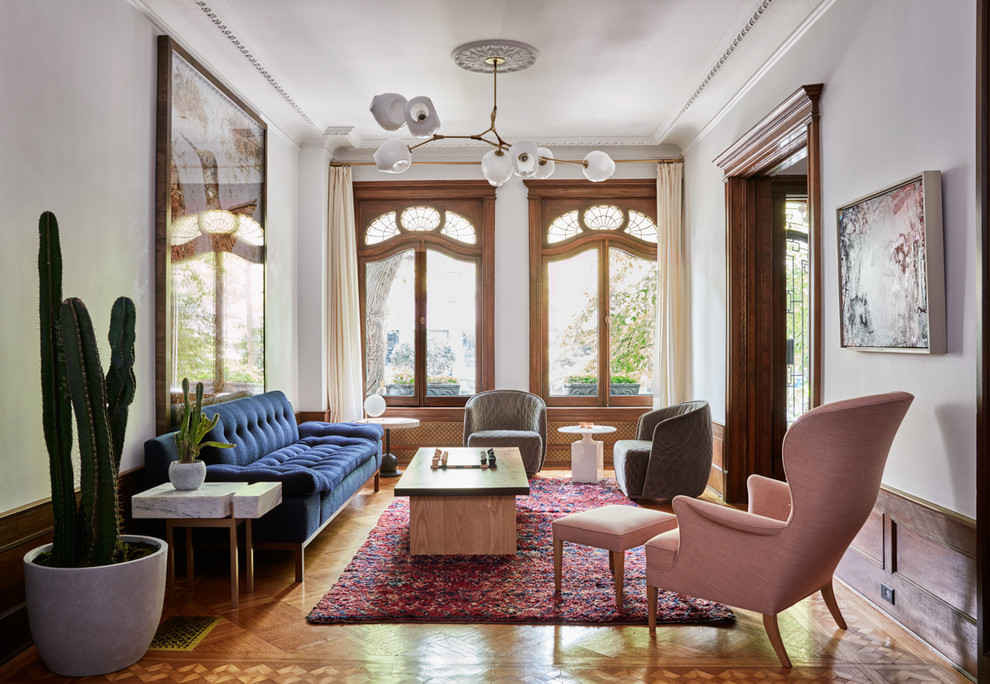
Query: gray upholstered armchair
x=507, y=418
x=671, y=455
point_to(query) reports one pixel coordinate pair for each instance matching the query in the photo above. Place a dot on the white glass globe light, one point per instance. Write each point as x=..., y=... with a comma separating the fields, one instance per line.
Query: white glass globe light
x=421, y=117
x=525, y=158
x=374, y=405
x=598, y=166
x=393, y=156
x=545, y=165
x=389, y=111
x=496, y=167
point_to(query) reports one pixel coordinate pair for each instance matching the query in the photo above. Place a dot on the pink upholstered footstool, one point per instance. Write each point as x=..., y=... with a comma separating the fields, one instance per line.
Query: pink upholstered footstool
x=613, y=528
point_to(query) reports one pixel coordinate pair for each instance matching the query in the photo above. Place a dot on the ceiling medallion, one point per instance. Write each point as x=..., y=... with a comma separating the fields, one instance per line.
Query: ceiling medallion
x=478, y=56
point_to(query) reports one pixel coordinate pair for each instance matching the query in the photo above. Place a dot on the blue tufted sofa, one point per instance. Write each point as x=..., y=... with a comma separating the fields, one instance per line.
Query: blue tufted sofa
x=321, y=466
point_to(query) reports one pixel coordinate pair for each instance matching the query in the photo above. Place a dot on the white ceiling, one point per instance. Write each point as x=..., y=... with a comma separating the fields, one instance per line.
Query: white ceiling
x=618, y=72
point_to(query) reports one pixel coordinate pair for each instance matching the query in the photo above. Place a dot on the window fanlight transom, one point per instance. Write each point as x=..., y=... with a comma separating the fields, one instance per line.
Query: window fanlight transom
x=420, y=219
x=602, y=218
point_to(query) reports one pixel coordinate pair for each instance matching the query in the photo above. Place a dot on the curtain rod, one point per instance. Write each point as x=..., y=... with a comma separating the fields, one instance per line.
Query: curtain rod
x=465, y=162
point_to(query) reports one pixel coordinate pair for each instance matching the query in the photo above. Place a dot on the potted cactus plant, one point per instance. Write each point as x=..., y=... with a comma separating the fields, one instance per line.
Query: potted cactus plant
x=189, y=472
x=94, y=596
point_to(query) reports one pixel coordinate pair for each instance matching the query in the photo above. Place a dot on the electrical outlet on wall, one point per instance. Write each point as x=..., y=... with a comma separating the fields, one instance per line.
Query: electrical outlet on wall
x=887, y=593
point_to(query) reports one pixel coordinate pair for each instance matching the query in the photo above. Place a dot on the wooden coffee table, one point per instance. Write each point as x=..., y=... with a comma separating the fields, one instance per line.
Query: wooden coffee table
x=463, y=510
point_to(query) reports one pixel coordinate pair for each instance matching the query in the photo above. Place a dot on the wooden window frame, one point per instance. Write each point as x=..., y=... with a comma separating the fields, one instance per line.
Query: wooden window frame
x=475, y=200
x=549, y=199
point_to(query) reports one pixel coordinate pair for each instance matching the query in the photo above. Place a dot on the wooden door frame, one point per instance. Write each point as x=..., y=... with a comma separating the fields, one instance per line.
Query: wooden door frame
x=790, y=127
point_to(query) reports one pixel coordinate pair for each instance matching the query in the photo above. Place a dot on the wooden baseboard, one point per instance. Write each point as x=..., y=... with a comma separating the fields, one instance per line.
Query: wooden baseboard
x=927, y=555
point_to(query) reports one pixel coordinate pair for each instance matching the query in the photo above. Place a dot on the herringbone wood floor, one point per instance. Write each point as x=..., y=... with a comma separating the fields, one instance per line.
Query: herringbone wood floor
x=268, y=640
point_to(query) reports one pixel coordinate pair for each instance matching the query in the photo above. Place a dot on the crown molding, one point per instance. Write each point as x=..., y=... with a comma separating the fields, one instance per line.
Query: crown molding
x=209, y=9
x=743, y=32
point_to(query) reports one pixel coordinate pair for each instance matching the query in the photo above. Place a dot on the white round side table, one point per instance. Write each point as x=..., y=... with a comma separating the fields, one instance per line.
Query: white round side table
x=587, y=454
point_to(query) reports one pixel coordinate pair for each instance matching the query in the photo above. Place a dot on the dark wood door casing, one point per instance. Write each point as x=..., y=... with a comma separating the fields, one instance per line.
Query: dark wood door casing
x=750, y=365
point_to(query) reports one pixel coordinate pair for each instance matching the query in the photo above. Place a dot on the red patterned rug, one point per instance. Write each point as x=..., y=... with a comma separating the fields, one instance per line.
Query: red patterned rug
x=383, y=583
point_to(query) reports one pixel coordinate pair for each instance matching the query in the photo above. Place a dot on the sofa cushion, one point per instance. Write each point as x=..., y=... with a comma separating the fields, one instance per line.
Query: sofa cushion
x=256, y=425
x=322, y=457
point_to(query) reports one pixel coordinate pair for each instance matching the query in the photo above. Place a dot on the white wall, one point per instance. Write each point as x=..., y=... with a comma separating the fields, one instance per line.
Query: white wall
x=899, y=80
x=282, y=266
x=77, y=136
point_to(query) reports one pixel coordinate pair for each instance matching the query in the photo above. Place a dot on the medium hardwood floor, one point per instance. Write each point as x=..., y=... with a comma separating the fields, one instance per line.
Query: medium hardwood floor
x=267, y=639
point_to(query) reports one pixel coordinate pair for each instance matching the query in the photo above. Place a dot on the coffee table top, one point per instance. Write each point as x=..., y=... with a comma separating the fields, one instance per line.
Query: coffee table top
x=507, y=479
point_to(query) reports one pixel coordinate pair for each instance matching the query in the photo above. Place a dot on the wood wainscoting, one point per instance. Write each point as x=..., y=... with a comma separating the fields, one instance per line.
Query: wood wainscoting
x=21, y=530
x=927, y=556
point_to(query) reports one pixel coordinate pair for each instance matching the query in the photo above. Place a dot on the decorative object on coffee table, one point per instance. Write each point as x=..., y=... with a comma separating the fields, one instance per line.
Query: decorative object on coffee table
x=587, y=454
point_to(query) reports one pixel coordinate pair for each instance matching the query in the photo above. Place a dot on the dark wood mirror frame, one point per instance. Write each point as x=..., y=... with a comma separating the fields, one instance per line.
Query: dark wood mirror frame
x=983, y=339
x=232, y=178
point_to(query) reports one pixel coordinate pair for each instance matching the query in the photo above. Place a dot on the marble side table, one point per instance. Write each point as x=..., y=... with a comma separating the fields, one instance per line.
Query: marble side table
x=214, y=504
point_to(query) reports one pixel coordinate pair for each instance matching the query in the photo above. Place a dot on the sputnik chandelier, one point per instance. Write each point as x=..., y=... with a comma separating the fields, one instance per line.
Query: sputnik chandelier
x=392, y=111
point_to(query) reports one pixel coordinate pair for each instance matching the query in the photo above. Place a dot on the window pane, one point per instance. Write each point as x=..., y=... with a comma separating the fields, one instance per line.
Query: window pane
x=632, y=322
x=451, y=348
x=573, y=324
x=390, y=324
x=797, y=282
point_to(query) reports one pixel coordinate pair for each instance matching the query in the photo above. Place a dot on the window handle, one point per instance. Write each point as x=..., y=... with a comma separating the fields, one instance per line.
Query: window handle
x=422, y=320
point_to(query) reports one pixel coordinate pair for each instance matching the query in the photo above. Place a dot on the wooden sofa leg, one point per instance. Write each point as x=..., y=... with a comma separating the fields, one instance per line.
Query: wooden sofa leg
x=773, y=631
x=299, y=563
x=377, y=479
x=833, y=607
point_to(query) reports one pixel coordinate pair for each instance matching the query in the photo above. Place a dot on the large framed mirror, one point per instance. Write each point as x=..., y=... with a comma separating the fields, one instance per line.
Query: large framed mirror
x=209, y=238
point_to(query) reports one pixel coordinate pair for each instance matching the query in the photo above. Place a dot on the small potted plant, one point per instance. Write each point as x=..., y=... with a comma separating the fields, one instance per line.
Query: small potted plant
x=402, y=384
x=442, y=386
x=623, y=385
x=189, y=472
x=581, y=385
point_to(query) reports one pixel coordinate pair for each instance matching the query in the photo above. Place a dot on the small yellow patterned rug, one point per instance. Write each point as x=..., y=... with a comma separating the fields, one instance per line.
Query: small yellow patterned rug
x=182, y=632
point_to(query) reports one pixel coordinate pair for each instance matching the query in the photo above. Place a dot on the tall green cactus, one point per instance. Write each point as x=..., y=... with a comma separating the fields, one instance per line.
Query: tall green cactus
x=71, y=374
x=56, y=407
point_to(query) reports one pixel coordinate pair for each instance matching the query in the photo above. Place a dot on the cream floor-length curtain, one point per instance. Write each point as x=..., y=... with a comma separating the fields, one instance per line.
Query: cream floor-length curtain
x=345, y=394
x=672, y=350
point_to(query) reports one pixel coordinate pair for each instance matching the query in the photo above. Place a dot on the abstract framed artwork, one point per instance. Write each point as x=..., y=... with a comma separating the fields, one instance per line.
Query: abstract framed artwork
x=211, y=173
x=891, y=271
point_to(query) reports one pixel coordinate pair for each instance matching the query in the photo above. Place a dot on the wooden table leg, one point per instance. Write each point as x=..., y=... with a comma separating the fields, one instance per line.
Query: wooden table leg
x=234, y=588
x=248, y=556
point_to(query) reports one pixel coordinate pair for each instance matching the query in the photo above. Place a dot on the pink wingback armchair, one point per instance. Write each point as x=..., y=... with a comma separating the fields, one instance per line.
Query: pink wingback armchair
x=788, y=545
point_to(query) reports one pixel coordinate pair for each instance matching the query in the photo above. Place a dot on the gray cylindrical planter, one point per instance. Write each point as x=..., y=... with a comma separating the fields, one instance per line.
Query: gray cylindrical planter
x=91, y=621
x=186, y=476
